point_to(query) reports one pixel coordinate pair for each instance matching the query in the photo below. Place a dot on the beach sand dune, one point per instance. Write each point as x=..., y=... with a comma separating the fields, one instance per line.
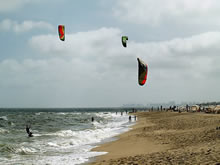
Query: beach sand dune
x=166, y=138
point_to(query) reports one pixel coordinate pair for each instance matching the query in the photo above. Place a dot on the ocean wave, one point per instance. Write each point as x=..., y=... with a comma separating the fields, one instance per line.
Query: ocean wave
x=51, y=144
x=59, y=138
x=72, y=159
x=3, y=130
x=25, y=150
x=4, y=118
x=7, y=148
x=38, y=113
x=61, y=113
x=77, y=138
x=110, y=126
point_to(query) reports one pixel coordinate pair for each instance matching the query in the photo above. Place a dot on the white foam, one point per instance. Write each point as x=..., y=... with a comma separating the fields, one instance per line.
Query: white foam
x=25, y=150
x=3, y=130
x=36, y=135
x=52, y=144
x=38, y=113
x=4, y=118
x=61, y=113
x=100, y=132
x=81, y=142
x=70, y=159
x=73, y=146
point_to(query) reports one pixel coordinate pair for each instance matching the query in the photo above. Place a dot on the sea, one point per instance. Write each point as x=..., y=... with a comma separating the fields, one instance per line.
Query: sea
x=63, y=136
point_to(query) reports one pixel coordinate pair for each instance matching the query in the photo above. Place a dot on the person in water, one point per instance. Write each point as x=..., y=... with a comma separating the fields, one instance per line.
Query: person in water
x=28, y=131
x=92, y=119
x=135, y=117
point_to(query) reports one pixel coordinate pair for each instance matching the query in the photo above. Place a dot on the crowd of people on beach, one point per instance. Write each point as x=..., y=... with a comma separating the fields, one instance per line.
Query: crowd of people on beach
x=215, y=109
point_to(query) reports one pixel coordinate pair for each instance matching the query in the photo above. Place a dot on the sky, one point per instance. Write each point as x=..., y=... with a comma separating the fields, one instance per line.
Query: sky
x=178, y=39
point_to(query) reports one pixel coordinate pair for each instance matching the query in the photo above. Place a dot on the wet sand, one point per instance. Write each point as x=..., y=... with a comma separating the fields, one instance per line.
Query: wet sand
x=166, y=138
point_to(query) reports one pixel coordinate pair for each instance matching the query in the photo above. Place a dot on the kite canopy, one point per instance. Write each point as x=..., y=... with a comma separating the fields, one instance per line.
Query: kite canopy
x=61, y=31
x=124, y=40
x=142, y=72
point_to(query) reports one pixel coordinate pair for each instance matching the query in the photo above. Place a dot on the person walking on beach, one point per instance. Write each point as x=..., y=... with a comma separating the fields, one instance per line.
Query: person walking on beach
x=187, y=108
x=129, y=118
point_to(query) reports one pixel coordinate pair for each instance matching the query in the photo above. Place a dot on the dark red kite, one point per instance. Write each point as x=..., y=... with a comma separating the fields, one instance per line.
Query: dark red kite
x=61, y=31
x=142, y=72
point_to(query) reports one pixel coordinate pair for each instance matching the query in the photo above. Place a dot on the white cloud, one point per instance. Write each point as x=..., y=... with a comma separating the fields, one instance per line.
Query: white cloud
x=155, y=12
x=57, y=82
x=192, y=57
x=11, y=5
x=25, y=26
x=93, y=69
x=91, y=45
x=189, y=58
x=103, y=48
x=29, y=25
x=6, y=24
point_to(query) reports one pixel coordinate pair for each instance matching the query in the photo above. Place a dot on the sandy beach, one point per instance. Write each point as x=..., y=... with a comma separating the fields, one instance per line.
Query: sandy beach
x=166, y=138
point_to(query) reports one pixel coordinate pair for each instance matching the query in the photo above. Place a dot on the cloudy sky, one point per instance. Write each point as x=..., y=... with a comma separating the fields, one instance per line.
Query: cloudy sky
x=178, y=39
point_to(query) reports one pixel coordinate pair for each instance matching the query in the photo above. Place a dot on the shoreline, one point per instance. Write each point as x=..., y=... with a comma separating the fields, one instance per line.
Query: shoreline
x=165, y=138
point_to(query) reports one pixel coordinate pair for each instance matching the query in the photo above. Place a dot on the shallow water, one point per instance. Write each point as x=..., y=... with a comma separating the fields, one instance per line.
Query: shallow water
x=60, y=136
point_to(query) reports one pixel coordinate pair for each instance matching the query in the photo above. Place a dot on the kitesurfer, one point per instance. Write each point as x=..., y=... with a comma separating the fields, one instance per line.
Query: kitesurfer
x=28, y=131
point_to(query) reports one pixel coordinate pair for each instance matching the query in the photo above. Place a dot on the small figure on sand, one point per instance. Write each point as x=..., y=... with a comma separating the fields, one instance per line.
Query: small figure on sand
x=187, y=107
x=129, y=118
x=28, y=131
